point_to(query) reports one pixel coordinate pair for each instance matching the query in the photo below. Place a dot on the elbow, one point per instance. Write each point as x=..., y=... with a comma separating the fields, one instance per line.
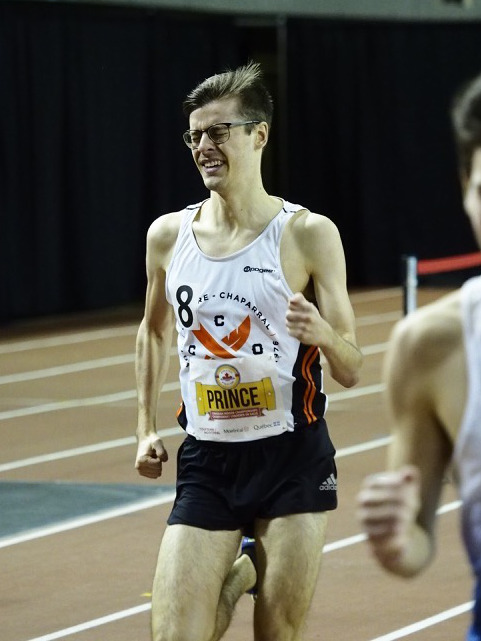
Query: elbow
x=410, y=557
x=403, y=569
x=352, y=380
x=347, y=379
x=156, y=330
x=348, y=376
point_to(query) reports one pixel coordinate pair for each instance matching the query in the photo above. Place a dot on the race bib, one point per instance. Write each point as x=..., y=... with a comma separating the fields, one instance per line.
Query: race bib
x=236, y=399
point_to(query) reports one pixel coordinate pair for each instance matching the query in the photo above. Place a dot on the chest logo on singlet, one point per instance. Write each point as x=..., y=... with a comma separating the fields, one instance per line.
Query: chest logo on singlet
x=235, y=340
x=260, y=270
x=227, y=376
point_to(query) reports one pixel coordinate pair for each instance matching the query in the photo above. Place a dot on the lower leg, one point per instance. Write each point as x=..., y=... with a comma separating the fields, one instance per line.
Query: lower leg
x=293, y=546
x=188, y=586
x=242, y=577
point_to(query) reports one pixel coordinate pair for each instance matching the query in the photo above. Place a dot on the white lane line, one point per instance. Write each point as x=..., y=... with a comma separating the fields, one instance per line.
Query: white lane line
x=392, y=636
x=359, y=538
x=68, y=339
x=376, y=319
x=71, y=368
x=426, y=623
x=145, y=504
x=112, y=361
x=375, y=294
x=68, y=404
x=73, y=524
x=131, y=330
x=131, y=394
x=449, y=507
x=78, y=402
x=375, y=348
x=330, y=547
x=361, y=447
x=344, y=543
x=80, y=451
x=95, y=623
x=165, y=433
x=355, y=392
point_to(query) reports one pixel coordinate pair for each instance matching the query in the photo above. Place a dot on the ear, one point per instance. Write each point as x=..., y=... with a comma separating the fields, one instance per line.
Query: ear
x=262, y=135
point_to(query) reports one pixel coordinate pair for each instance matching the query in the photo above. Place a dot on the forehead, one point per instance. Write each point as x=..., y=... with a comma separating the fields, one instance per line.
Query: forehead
x=225, y=110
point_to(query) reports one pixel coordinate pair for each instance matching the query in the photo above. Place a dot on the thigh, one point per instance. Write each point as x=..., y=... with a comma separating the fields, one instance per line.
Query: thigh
x=191, y=568
x=289, y=559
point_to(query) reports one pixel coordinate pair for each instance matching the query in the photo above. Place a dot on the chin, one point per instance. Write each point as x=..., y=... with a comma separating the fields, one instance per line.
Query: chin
x=212, y=183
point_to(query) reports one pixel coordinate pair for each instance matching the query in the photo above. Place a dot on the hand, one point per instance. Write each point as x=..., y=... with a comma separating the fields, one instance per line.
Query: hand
x=388, y=505
x=303, y=320
x=150, y=456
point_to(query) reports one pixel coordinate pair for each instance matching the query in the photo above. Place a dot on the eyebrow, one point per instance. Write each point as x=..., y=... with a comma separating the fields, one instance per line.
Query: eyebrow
x=217, y=122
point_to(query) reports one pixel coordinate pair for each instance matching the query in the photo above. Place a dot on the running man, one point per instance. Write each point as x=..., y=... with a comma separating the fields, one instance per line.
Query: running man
x=238, y=274
x=433, y=375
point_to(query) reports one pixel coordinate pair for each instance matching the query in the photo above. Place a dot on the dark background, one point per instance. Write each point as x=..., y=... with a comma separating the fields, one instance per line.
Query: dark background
x=91, y=149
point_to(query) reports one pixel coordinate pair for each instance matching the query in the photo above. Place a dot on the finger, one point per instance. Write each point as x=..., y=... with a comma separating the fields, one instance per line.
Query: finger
x=382, y=480
x=160, y=451
x=147, y=461
x=149, y=467
x=150, y=473
x=297, y=300
x=410, y=474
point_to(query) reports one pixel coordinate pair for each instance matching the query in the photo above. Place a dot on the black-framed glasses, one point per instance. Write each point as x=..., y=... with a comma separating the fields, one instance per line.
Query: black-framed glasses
x=218, y=133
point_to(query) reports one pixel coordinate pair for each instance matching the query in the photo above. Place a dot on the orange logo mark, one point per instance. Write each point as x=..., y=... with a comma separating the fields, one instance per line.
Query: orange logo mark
x=235, y=340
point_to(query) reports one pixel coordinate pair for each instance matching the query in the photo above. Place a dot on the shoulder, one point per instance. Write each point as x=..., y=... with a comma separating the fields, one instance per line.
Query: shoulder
x=316, y=234
x=165, y=228
x=162, y=236
x=421, y=350
x=305, y=221
x=430, y=333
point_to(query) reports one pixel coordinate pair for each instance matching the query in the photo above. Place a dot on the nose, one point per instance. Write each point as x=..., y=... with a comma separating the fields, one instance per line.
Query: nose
x=205, y=142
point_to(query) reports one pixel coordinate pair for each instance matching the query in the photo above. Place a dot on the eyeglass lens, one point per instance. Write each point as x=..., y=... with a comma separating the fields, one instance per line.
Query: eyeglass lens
x=217, y=133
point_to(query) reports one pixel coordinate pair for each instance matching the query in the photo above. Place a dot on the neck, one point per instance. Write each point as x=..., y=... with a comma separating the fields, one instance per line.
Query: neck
x=224, y=226
x=241, y=206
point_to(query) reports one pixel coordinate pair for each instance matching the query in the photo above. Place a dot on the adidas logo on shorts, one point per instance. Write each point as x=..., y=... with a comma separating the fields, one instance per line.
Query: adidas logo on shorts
x=329, y=484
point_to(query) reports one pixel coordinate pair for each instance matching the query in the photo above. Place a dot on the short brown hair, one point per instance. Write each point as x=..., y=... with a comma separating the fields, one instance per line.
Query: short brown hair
x=244, y=83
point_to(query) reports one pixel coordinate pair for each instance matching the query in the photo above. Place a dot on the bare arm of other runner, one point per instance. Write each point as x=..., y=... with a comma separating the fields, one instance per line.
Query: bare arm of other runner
x=397, y=508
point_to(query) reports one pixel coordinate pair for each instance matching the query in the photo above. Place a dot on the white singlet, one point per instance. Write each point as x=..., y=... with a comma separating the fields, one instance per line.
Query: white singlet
x=467, y=452
x=242, y=376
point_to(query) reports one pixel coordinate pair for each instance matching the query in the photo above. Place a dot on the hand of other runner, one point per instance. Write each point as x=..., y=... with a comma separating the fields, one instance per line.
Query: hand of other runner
x=150, y=456
x=388, y=505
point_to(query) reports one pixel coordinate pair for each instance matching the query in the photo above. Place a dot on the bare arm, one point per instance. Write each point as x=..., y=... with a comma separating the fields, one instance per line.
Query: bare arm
x=330, y=325
x=154, y=340
x=397, y=508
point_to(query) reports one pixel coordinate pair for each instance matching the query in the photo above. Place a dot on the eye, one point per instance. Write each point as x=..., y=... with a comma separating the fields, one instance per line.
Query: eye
x=195, y=137
x=218, y=133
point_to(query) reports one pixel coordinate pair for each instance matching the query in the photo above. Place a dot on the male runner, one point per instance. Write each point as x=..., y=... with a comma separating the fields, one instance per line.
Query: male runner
x=256, y=287
x=433, y=375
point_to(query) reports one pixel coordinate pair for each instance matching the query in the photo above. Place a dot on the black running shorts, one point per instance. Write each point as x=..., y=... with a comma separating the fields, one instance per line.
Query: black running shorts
x=226, y=486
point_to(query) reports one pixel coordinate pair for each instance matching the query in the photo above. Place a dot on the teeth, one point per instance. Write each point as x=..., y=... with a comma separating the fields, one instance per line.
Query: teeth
x=213, y=163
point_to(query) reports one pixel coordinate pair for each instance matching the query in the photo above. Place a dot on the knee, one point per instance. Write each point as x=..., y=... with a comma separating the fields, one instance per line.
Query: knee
x=277, y=625
x=182, y=628
x=177, y=634
x=277, y=632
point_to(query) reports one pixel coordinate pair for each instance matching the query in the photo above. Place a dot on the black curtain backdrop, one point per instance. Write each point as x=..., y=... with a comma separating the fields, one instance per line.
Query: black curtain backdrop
x=370, y=141
x=90, y=146
x=91, y=153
